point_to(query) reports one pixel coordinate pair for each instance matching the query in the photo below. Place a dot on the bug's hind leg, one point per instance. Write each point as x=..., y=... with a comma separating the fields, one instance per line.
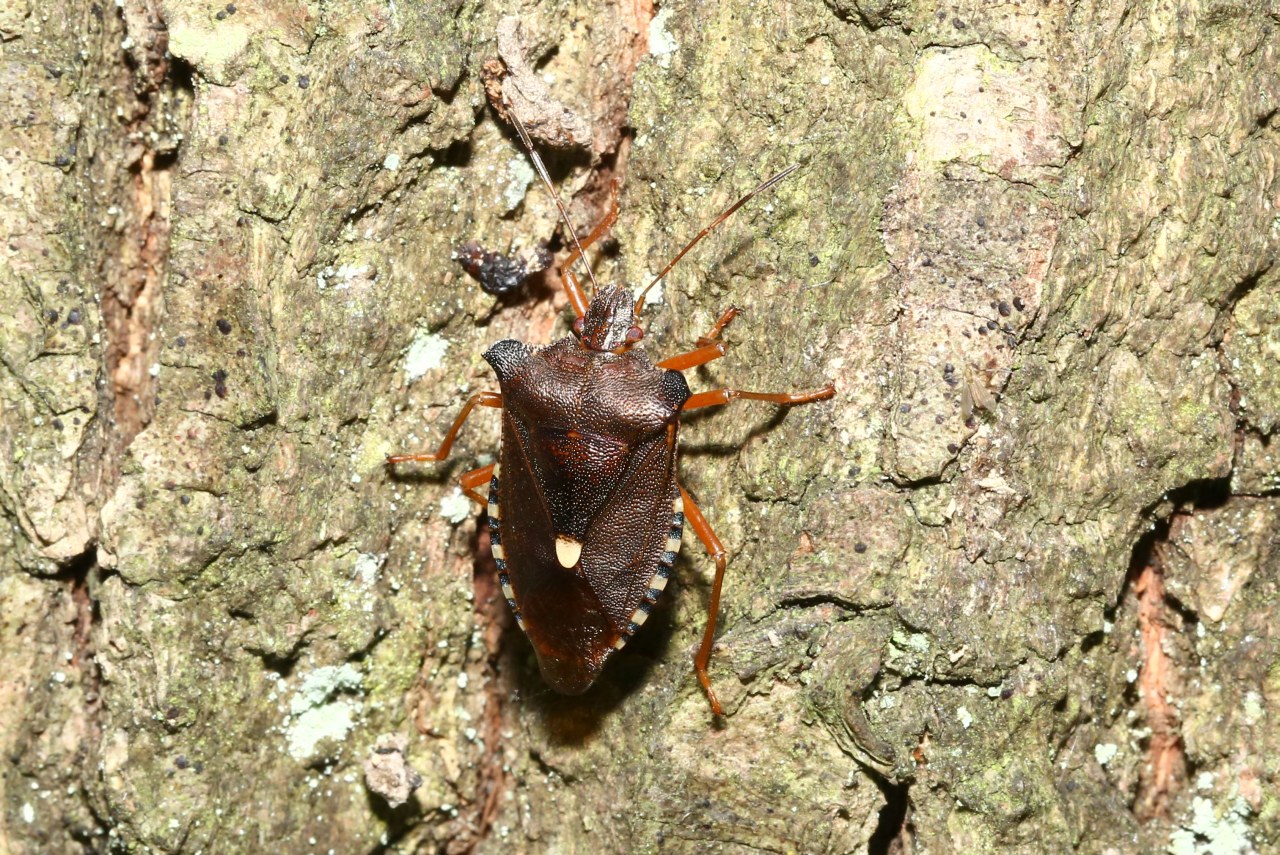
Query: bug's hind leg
x=709, y=346
x=572, y=287
x=470, y=482
x=483, y=399
x=717, y=552
x=717, y=397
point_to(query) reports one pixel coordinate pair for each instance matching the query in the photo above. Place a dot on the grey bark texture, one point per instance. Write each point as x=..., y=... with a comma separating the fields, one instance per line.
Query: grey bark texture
x=1014, y=589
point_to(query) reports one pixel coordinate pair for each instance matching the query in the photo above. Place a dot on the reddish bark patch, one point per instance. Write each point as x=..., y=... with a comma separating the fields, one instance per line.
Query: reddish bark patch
x=1164, y=771
x=134, y=274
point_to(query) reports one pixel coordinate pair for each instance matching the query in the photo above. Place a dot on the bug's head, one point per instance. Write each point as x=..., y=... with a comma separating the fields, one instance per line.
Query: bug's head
x=610, y=322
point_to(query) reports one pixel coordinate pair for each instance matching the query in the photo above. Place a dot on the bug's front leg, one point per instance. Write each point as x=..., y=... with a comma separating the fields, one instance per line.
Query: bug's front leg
x=716, y=550
x=573, y=288
x=709, y=346
x=481, y=399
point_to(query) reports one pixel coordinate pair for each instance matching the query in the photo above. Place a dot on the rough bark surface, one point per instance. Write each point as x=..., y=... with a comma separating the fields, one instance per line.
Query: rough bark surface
x=1014, y=589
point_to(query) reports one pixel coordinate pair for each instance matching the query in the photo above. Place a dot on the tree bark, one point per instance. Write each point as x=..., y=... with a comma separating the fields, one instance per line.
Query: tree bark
x=1013, y=589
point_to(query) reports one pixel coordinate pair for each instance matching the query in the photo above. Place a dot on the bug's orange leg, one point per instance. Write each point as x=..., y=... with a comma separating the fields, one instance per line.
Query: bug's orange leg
x=717, y=397
x=483, y=399
x=577, y=298
x=716, y=550
x=469, y=481
x=709, y=346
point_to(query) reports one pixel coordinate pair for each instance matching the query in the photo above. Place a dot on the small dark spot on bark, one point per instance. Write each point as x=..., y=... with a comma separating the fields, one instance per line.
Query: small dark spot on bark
x=813, y=261
x=859, y=547
x=1004, y=309
x=991, y=325
x=181, y=341
x=957, y=23
x=57, y=424
x=1018, y=304
x=952, y=447
x=905, y=408
x=220, y=383
x=303, y=81
x=219, y=15
x=185, y=499
x=981, y=221
x=73, y=316
x=52, y=315
x=224, y=326
x=182, y=762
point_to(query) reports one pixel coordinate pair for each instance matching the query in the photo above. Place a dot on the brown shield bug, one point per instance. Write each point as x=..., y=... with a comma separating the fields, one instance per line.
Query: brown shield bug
x=584, y=506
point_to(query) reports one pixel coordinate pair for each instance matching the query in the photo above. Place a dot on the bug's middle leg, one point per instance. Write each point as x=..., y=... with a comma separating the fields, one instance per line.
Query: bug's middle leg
x=709, y=346
x=718, y=397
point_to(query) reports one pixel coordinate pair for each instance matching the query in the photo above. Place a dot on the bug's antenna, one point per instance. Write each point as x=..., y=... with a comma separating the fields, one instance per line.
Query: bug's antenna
x=546, y=180
x=759, y=188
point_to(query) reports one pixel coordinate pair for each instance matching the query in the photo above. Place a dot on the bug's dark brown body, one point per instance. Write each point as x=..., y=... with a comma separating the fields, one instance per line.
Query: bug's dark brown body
x=589, y=458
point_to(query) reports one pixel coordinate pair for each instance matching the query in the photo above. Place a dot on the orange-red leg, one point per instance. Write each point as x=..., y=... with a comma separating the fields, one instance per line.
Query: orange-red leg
x=716, y=550
x=716, y=397
x=709, y=346
x=573, y=288
x=469, y=481
x=482, y=399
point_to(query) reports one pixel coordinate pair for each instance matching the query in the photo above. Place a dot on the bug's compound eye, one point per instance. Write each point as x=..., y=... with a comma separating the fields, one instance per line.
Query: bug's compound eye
x=577, y=327
x=634, y=334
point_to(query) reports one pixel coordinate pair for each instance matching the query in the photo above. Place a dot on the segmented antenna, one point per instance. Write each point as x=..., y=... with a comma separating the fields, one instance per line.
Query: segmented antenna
x=759, y=188
x=546, y=180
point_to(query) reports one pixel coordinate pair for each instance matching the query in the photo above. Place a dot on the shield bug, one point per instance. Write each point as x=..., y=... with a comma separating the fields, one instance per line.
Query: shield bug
x=585, y=510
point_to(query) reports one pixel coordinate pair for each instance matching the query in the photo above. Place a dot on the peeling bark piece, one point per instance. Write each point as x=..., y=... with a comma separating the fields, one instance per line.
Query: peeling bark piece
x=513, y=84
x=387, y=772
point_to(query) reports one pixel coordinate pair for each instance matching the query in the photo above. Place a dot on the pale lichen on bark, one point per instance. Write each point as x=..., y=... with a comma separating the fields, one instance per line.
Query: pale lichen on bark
x=1010, y=591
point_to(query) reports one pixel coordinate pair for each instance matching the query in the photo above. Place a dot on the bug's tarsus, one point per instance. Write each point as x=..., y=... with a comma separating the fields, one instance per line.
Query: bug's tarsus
x=726, y=317
x=707, y=347
x=724, y=215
